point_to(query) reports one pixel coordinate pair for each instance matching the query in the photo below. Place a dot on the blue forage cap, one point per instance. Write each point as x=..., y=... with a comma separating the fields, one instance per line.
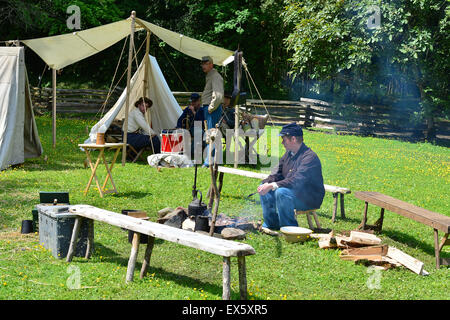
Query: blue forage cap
x=291, y=129
x=195, y=96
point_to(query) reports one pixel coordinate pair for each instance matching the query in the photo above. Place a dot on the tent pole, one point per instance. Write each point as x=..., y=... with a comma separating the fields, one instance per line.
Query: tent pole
x=54, y=108
x=147, y=51
x=236, y=135
x=127, y=104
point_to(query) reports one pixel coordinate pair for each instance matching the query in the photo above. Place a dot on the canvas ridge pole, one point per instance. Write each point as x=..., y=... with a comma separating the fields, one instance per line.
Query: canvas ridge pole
x=54, y=108
x=127, y=104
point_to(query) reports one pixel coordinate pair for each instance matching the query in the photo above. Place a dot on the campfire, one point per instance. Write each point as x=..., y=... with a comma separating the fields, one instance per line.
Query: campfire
x=225, y=226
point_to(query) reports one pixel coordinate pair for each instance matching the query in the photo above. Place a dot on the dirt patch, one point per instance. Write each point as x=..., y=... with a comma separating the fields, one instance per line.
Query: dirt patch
x=17, y=236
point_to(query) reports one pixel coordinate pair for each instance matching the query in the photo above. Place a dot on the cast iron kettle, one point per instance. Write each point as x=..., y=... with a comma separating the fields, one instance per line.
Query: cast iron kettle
x=196, y=207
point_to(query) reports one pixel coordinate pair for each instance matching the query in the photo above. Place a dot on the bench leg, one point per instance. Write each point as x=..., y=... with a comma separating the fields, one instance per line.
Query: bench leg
x=74, y=239
x=335, y=197
x=316, y=219
x=341, y=197
x=364, y=219
x=242, y=278
x=90, y=239
x=445, y=241
x=133, y=256
x=226, y=279
x=310, y=224
x=436, y=248
x=147, y=256
x=379, y=223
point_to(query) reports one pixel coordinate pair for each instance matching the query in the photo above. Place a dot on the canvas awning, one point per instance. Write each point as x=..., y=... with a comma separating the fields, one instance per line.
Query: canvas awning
x=63, y=50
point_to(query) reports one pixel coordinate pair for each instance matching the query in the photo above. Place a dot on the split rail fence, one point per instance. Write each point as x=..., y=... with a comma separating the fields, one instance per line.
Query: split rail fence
x=376, y=120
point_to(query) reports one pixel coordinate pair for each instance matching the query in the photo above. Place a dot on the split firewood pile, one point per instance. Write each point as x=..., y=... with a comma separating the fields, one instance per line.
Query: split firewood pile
x=365, y=247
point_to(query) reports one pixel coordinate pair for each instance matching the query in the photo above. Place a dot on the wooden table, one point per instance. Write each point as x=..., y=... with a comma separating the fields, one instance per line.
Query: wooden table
x=101, y=147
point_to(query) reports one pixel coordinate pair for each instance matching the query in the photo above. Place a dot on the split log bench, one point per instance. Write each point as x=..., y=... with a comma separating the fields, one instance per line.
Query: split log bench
x=336, y=191
x=221, y=247
x=437, y=221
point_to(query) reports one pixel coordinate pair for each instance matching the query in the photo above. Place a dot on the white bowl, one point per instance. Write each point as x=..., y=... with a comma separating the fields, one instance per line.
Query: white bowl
x=295, y=234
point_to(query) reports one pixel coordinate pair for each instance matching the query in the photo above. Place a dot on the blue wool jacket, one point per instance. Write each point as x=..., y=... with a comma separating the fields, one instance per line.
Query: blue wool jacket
x=301, y=172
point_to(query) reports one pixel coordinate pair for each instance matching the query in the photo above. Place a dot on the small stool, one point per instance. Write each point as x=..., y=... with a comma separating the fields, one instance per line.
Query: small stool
x=308, y=217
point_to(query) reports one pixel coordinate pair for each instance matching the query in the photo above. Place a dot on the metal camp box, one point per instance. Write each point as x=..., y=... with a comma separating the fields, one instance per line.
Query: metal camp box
x=55, y=230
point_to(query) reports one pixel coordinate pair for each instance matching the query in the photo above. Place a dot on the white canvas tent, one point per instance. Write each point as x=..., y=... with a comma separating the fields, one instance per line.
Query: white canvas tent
x=19, y=138
x=165, y=110
x=63, y=50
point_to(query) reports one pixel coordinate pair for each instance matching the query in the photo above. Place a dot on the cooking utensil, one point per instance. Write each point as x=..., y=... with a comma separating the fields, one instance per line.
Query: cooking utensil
x=196, y=207
x=295, y=234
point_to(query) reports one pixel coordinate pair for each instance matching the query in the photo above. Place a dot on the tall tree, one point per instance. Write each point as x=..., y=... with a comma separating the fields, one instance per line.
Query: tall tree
x=404, y=54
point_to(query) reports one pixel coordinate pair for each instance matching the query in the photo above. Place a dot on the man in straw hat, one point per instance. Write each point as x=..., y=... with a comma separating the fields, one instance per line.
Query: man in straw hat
x=140, y=134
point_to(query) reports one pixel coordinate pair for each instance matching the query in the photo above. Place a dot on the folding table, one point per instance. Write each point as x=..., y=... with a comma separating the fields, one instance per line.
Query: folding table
x=101, y=147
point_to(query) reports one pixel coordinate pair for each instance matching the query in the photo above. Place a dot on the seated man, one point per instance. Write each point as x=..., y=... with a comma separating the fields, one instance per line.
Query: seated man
x=139, y=134
x=296, y=183
x=191, y=113
x=228, y=112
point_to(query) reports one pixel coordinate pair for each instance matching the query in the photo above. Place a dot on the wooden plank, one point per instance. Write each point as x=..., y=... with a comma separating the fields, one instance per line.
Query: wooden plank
x=405, y=259
x=369, y=257
x=243, y=173
x=334, y=189
x=225, y=248
x=315, y=101
x=372, y=250
x=341, y=241
x=430, y=218
x=326, y=243
x=364, y=238
x=262, y=176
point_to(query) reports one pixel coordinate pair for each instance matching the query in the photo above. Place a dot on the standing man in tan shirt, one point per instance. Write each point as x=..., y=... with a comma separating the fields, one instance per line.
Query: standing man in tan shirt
x=212, y=97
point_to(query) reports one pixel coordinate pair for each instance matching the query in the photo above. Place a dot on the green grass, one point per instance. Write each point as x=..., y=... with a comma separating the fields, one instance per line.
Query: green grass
x=416, y=173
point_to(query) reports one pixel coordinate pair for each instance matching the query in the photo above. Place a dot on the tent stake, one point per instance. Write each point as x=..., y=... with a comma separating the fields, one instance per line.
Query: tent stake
x=54, y=108
x=127, y=105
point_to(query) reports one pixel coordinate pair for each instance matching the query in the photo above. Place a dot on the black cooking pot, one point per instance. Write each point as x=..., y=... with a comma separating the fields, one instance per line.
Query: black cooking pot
x=196, y=207
x=201, y=223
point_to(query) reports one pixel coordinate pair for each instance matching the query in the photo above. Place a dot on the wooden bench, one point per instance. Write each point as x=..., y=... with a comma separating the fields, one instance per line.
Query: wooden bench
x=336, y=191
x=435, y=220
x=221, y=247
